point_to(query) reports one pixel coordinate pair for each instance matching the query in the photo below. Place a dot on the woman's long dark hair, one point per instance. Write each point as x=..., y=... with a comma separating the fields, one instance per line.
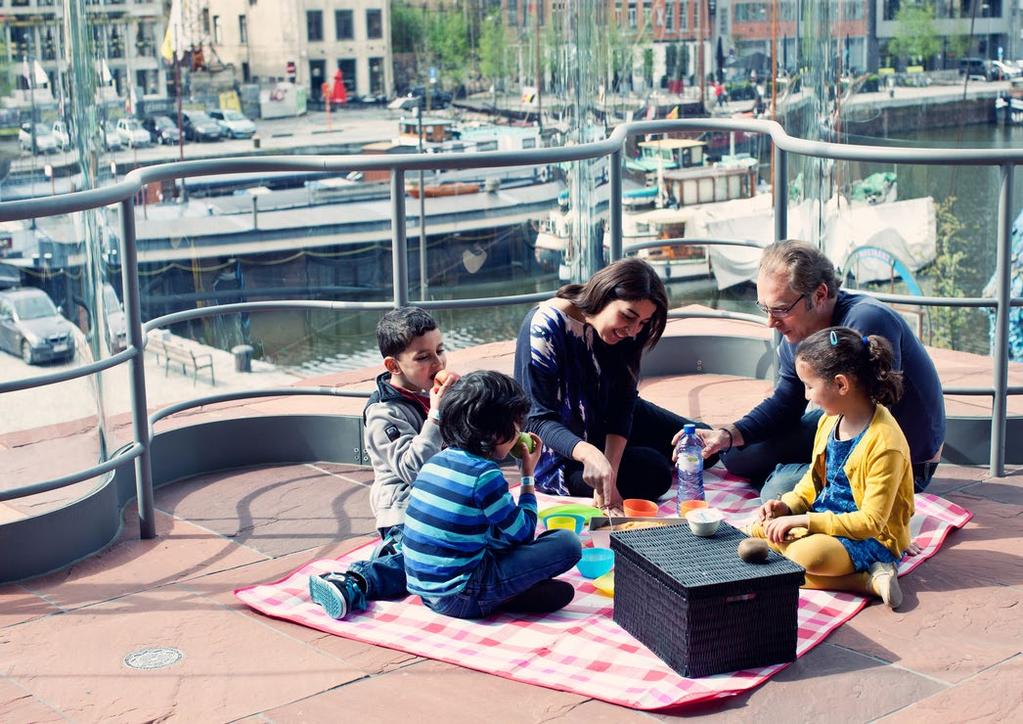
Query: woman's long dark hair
x=631, y=280
x=868, y=360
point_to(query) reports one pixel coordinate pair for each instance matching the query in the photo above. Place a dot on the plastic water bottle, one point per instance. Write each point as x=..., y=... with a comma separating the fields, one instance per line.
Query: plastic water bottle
x=688, y=467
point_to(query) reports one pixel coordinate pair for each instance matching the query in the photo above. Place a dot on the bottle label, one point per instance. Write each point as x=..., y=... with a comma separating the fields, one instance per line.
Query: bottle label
x=689, y=463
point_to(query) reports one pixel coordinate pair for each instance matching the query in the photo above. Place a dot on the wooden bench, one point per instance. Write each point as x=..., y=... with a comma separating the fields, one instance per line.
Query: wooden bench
x=171, y=352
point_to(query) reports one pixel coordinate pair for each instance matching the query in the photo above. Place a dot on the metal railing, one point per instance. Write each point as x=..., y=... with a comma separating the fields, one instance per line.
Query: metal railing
x=123, y=193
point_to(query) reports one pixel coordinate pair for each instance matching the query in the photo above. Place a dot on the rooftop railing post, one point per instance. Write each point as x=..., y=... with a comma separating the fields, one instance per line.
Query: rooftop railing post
x=781, y=194
x=615, y=218
x=139, y=409
x=399, y=244
x=1001, y=341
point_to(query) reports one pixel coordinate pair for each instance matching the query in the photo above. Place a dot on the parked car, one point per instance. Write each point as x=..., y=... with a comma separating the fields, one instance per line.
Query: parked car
x=1006, y=70
x=110, y=139
x=132, y=134
x=162, y=130
x=438, y=98
x=61, y=134
x=32, y=328
x=234, y=124
x=116, y=329
x=45, y=140
x=977, y=68
x=198, y=126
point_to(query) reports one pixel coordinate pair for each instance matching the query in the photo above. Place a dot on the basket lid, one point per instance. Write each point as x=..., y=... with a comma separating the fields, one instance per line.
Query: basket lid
x=703, y=566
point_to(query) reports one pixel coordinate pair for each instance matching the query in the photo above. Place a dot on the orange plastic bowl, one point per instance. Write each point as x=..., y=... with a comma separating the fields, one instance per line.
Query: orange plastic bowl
x=686, y=505
x=639, y=508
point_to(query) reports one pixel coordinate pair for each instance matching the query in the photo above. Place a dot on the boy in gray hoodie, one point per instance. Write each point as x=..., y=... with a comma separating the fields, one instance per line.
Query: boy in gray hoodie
x=402, y=432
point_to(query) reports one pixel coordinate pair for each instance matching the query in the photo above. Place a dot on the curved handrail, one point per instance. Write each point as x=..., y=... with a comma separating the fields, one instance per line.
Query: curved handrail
x=177, y=407
x=130, y=453
x=122, y=192
x=134, y=180
x=53, y=378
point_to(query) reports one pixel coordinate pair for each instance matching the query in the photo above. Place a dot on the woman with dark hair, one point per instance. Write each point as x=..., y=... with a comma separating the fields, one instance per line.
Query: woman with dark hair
x=578, y=357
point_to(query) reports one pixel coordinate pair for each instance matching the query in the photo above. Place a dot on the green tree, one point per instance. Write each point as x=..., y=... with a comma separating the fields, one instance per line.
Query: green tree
x=915, y=36
x=448, y=41
x=493, y=50
x=952, y=270
x=6, y=72
x=406, y=28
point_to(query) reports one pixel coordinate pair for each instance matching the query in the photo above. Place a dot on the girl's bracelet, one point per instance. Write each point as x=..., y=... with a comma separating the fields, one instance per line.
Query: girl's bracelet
x=730, y=438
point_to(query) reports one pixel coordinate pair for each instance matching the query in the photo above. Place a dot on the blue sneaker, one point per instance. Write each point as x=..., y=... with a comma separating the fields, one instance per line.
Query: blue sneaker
x=337, y=593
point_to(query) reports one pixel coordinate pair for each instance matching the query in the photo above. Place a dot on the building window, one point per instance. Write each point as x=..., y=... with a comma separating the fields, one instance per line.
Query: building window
x=314, y=25
x=347, y=68
x=683, y=15
x=669, y=16
x=632, y=14
x=218, y=37
x=374, y=24
x=206, y=20
x=513, y=12
x=243, y=29
x=376, y=75
x=344, y=28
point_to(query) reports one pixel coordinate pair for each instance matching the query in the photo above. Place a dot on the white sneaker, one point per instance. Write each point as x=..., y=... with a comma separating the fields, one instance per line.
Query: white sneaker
x=884, y=580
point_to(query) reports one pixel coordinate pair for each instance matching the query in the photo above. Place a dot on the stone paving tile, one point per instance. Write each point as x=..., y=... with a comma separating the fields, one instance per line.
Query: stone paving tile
x=950, y=478
x=1002, y=490
x=961, y=608
x=180, y=551
x=232, y=666
x=17, y=705
x=972, y=700
x=220, y=587
x=828, y=684
x=431, y=691
x=275, y=510
x=715, y=399
x=18, y=605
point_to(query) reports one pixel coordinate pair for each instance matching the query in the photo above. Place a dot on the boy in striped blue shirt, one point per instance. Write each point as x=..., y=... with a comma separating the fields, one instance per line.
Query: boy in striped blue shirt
x=469, y=547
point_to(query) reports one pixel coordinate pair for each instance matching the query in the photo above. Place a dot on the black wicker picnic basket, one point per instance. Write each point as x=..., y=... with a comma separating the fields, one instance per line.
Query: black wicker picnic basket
x=697, y=606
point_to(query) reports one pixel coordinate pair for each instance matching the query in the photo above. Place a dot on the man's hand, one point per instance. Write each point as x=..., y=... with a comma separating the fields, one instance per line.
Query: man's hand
x=714, y=441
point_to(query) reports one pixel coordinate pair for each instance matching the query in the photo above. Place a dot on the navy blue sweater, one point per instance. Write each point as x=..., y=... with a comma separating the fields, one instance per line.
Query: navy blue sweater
x=920, y=412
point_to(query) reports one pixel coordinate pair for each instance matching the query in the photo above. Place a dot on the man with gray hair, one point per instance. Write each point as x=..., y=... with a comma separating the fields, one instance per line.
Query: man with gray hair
x=799, y=291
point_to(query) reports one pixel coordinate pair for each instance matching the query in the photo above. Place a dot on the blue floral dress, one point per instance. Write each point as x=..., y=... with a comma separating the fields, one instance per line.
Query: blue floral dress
x=837, y=497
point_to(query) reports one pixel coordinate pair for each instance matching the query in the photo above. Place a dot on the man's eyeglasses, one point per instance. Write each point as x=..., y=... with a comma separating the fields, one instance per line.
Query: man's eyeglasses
x=780, y=312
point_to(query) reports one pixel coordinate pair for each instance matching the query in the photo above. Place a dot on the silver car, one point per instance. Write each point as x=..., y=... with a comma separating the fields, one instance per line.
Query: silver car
x=32, y=328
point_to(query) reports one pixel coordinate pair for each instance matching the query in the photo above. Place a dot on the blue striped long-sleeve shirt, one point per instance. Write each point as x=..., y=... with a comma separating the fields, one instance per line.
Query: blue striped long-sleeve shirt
x=459, y=507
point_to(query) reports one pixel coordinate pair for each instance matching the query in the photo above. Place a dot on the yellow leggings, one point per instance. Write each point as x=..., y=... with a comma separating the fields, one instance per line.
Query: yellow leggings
x=827, y=563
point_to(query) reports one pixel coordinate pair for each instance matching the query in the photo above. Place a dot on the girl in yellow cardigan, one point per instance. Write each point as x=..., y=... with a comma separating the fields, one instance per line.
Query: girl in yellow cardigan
x=847, y=521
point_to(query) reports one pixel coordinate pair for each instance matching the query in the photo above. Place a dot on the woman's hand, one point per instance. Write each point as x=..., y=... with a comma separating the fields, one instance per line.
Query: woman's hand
x=777, y=529
x=772, y=509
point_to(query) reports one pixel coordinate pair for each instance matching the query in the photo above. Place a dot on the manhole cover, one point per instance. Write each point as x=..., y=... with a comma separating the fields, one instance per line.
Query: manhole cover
x=152, y=658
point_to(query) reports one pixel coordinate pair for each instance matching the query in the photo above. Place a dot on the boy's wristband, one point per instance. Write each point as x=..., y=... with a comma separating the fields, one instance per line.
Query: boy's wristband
x=527, y=480
x=434, y=414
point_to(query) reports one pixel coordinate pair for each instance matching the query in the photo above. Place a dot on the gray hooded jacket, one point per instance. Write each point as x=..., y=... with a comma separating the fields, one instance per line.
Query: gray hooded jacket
x=398, y=440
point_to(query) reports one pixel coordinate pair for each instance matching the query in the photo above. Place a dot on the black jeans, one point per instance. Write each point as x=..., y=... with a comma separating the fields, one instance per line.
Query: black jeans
x=645, y=470
x=757, y=461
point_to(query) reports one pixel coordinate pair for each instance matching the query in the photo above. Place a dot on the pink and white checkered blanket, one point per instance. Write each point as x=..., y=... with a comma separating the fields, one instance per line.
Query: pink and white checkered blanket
x=579, y=649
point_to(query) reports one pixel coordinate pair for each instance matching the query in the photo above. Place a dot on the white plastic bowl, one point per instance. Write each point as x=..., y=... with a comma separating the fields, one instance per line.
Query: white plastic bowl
x=704, y=521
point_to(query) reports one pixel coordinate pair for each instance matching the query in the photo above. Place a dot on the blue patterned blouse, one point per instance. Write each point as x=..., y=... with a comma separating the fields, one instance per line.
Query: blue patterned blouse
x=581, y=388
x=837, y=497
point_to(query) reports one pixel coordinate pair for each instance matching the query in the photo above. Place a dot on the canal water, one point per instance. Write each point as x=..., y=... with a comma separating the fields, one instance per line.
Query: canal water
x=313, y=343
